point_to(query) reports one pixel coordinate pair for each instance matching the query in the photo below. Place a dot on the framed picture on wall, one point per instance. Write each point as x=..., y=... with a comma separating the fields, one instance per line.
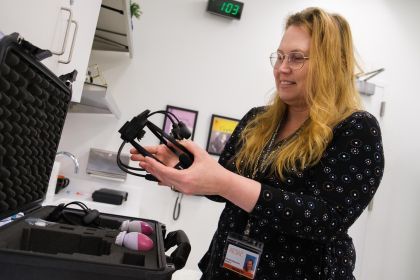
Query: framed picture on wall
x=221, y=128
x=187, y=116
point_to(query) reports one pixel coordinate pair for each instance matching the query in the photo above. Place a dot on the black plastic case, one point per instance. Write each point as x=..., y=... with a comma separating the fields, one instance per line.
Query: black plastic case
x=33, y=107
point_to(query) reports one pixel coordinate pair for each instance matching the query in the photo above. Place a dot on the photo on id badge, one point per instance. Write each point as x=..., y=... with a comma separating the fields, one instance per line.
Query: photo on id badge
x=241, y=261
x=249, y=265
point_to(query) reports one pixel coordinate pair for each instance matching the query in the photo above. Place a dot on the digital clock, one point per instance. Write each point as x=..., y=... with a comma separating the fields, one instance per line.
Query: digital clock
x=227, y=8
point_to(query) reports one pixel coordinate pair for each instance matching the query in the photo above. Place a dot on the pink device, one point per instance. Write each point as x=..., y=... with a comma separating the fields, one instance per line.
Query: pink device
x=134, y=241
x=136, y=226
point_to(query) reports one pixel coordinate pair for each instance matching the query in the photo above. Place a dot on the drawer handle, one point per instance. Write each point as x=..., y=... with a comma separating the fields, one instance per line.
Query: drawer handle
x=67, y=32
x=76, y=27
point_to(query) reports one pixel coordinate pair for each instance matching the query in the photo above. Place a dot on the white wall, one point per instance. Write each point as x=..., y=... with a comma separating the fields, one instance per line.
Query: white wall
x=189, y=58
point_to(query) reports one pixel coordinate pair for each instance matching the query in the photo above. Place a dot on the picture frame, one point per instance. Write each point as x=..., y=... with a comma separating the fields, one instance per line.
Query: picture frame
x=221, y=128
x=187, y=116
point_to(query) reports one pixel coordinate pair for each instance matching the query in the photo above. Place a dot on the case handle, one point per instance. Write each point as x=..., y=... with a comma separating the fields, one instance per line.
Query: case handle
x=76, y=27
x=67, y=32
x=180, y=255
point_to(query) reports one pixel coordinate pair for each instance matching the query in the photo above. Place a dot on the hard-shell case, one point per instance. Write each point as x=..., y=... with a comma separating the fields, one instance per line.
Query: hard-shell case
x=33, y=108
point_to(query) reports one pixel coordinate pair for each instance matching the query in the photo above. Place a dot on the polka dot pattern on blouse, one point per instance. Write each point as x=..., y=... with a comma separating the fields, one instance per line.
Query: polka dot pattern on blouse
x=303, y=220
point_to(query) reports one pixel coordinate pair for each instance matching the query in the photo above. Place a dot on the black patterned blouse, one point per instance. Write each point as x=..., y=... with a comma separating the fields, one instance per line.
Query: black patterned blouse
x=303, y=221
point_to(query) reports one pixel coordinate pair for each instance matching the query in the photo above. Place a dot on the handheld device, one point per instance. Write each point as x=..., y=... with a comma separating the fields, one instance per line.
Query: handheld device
x=136, y=226
x=134, y=240
x=135, y=130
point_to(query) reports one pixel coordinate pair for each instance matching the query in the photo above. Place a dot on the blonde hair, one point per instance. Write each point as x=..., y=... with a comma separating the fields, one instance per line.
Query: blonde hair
x=331, y=96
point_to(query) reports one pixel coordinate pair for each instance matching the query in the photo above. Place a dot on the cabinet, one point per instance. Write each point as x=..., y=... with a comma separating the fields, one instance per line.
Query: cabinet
x=44, y=23
x=29, y=19
x=95, y=100
x=114, y=29
x=113, y=33
x=85, y=17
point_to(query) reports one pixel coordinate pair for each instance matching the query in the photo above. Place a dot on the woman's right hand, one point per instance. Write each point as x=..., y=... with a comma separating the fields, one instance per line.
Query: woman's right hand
x=161, y=152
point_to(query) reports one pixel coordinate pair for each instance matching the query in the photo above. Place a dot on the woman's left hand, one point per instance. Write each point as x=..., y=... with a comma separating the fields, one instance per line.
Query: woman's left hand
x=204, y=177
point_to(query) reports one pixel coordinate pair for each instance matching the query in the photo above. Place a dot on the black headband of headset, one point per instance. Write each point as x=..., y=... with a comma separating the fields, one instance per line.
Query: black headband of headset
x=134, y=129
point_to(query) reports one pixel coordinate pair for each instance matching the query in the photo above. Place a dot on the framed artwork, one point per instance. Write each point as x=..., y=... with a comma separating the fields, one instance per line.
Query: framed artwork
x=221, y=128
x=187, y=116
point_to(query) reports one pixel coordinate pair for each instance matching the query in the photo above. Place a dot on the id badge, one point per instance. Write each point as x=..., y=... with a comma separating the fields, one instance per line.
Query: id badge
x=242, y=255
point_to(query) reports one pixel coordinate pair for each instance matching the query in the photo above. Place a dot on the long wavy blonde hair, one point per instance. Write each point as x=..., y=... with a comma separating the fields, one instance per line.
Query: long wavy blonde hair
x=331, y=96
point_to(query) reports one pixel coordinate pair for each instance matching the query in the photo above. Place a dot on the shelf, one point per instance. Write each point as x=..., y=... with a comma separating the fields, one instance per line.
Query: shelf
x=365, y=87
x=95, y=100
x=114, y=28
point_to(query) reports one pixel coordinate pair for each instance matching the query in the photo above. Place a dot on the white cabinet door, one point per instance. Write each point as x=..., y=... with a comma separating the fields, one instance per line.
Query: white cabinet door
x=84, y=19
x=33, y=20
x=44, y=24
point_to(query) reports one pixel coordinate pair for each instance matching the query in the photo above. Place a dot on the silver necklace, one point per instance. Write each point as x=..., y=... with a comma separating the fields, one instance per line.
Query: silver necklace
x=265, y=152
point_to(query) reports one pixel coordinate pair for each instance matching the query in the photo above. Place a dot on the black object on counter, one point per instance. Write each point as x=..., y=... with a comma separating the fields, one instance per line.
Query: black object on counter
x=109, y=196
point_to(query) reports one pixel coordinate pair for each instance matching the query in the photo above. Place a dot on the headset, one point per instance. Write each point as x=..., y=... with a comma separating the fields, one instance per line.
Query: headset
x=135, y=130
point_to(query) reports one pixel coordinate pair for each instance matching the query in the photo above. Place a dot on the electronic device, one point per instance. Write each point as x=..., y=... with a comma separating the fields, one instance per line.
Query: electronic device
x=136, y=226
x=109, y=196
x=134, y=240
x=226, y=8
x=135, y=130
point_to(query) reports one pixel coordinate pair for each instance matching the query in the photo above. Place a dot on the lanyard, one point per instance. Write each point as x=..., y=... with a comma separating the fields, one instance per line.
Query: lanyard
x=261, y=161
x=262, y=158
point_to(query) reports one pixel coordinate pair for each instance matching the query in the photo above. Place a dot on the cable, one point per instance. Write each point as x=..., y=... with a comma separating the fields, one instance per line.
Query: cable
x=135, y=130
x=179, y=130
x=170, y=115
x=79, y=203
x=125, y=167
x=177, y=206
x=90, y=217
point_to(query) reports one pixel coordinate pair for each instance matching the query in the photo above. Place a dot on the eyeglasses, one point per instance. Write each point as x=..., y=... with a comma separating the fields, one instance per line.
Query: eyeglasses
x=295, y=60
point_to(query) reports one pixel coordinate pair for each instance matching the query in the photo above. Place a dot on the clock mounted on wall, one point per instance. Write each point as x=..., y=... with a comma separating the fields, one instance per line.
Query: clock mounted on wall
x=226, y=8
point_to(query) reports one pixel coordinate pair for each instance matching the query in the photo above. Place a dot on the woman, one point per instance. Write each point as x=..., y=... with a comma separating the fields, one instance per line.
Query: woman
x=296, y=174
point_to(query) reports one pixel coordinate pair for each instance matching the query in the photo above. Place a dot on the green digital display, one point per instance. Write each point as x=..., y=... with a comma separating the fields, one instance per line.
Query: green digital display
x=227, y=8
